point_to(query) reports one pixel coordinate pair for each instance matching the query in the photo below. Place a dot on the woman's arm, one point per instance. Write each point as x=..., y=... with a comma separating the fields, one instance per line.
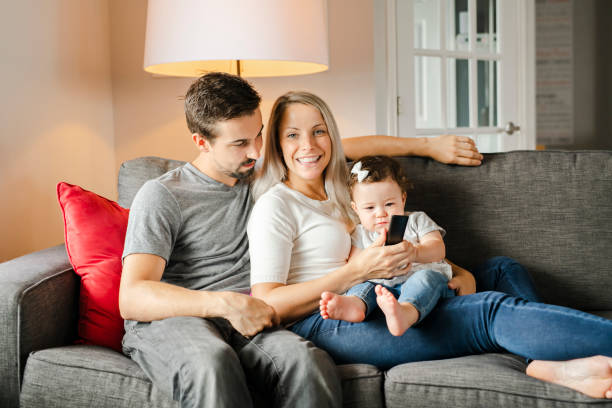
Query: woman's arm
x=463, y=281
x=449, y=149
x=295, y=301
x=292, y=302
x=354, y=252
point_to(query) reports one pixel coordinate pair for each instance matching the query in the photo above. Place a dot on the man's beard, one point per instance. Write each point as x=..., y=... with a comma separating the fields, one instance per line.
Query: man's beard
x=243, y=175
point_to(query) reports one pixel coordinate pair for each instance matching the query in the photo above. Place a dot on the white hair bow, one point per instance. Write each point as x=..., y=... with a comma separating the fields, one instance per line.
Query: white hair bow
x=361, y=174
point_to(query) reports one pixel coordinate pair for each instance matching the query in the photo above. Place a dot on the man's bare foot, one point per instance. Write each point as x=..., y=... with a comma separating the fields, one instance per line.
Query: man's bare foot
x=591, y=376
x=339, y=307
x=400, y=316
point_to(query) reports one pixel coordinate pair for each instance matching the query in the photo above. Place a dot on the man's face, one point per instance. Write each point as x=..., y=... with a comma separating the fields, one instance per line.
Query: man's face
x=237, y=145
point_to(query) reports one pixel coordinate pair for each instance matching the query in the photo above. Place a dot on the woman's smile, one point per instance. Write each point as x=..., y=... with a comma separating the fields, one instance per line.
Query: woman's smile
x=309, y=160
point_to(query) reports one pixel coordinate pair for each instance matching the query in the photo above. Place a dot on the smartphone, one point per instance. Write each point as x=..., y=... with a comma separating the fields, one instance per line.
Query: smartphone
x=397, y=227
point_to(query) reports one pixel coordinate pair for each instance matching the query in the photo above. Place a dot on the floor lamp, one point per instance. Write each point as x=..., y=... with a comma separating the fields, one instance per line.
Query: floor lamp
x=251, y=38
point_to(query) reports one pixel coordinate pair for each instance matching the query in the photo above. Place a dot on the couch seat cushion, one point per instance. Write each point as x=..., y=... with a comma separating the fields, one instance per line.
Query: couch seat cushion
x=85, y=376
x=488, y=380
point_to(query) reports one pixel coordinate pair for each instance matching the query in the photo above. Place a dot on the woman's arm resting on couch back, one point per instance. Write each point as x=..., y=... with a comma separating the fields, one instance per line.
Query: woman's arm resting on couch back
x=449, y=149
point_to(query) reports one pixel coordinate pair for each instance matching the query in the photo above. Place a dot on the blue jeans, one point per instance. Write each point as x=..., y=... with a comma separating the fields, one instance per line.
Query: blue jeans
x=503, y=274
x=422, y=289
x=484, y=322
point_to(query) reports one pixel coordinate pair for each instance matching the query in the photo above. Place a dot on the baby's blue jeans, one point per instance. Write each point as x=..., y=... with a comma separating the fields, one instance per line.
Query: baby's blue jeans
x=422, y=289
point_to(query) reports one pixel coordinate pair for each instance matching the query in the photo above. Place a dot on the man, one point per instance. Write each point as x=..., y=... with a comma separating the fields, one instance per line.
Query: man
x=190, y=324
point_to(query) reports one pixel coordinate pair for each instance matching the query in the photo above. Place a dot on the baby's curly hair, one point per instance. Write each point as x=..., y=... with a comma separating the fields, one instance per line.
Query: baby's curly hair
x=380, y=168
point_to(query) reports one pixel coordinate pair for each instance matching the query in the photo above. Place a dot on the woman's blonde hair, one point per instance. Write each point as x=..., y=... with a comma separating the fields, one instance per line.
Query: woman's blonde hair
x=274, y=170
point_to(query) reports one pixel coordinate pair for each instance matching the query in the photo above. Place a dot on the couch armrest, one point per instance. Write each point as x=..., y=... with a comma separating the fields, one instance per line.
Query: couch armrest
x=38, y=309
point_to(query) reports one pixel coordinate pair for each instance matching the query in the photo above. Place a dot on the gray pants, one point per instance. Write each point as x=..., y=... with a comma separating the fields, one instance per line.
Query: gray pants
x=207, y=363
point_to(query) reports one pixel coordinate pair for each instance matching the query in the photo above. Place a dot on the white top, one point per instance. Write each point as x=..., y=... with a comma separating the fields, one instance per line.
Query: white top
x=419, y=225
x=293, y=238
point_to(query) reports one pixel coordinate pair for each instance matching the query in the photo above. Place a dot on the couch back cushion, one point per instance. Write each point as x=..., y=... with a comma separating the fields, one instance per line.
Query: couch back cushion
x=550, y=210
x=134, y=173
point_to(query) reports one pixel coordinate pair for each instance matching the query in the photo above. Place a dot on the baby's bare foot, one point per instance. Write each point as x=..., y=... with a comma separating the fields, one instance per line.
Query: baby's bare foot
x=339, y=307
x=400, y=316
x=591, y=376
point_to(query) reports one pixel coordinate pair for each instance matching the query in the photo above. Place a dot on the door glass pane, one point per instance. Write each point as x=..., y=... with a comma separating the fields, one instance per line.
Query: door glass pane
x=486, y=26
x=428, y=92
x=458, y=28
x=487, y=93
x=458, y=93
x=426, y=24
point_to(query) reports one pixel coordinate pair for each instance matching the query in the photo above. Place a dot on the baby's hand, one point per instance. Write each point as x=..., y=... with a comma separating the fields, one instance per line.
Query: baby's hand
x=411, y=251
x=380, y=241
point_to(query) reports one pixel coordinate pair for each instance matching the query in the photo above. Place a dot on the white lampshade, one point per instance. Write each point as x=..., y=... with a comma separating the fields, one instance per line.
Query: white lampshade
x=268, y=37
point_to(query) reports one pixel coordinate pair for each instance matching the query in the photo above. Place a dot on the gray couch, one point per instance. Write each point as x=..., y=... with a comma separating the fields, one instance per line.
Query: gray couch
x=552, y=211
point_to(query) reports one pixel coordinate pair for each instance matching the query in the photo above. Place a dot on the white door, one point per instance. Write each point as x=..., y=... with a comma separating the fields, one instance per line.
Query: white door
x=465, y=67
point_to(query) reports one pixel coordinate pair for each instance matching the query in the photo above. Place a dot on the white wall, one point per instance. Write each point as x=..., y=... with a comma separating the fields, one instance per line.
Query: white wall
x=75, y=102
x=55, y=114
x=149, y=118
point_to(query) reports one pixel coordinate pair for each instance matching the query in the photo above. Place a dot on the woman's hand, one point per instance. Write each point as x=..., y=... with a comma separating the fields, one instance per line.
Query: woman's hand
x=463, y=282
x=463, y=285
x=386, y=262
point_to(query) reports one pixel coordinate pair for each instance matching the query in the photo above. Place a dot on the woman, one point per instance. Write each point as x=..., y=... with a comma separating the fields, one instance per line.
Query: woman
x=299, y=244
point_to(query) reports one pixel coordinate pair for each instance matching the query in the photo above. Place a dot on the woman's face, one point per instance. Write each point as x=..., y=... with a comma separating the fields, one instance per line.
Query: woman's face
x=305, y=143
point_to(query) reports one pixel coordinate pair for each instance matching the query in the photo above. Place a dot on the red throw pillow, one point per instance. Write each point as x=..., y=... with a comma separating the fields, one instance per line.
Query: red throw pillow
x=94, y=229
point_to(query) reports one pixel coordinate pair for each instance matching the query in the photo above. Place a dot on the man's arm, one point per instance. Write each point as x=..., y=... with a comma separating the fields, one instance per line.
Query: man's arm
x=449, y=149
x=143, y=297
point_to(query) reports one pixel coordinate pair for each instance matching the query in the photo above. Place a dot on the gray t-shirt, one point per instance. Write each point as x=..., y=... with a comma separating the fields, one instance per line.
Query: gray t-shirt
x=198, y=225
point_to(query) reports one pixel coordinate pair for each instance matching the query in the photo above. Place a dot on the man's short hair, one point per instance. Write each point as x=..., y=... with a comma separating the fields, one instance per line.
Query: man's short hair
x=216, y=97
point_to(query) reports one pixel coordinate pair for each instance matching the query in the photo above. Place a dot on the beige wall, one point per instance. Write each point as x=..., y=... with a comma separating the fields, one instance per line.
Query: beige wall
x=55, y=114
x=76, y=102
x=147, y=110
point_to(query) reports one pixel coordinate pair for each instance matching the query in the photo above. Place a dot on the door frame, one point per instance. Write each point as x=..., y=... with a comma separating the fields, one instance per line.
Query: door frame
x=386, y=80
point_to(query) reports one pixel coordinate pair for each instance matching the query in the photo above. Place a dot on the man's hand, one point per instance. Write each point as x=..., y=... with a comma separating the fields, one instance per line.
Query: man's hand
x=451, y=149
x=248, y=315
